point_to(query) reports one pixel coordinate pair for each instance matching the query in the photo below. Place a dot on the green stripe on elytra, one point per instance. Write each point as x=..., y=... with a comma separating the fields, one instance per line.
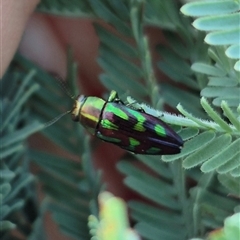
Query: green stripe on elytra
x=140, y=120
x=109, y=139
x=153, y=150
x=160, y=130
x=134, y=142
x=139, y=127
x=137, y=115
x=116, y=111
x=109, y=125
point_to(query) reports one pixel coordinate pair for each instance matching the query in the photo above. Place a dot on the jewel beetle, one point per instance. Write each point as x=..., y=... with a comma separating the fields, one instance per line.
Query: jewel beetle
x=131, y=129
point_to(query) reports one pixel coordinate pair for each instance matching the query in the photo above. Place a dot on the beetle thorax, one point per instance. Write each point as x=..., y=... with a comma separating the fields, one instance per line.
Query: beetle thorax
x=90, y=112
x=77, y=107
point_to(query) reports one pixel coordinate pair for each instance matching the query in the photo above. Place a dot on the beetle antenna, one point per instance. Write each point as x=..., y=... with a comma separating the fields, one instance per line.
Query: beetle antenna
x=48, y=124
x=64, y=86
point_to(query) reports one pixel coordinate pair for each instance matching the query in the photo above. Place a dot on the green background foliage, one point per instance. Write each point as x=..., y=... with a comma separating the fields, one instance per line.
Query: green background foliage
x=189, y=194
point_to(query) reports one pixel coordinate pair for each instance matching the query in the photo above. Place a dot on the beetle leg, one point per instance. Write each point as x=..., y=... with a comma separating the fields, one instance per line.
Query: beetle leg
x=113, y=97
x=140, y=109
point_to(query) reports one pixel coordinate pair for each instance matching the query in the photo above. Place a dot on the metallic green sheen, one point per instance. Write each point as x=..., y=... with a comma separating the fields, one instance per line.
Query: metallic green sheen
x=129, y=128
x=139, y=127
x=160, y=130
x=90, y=113
x=118, y=112
x=134, y=142
x=153, y=150
x=137, y=115
x=109, y=125
x=94, y=101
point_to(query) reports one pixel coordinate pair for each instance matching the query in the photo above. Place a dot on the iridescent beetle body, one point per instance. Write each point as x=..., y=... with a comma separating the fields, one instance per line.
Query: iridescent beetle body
x=131, y=129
